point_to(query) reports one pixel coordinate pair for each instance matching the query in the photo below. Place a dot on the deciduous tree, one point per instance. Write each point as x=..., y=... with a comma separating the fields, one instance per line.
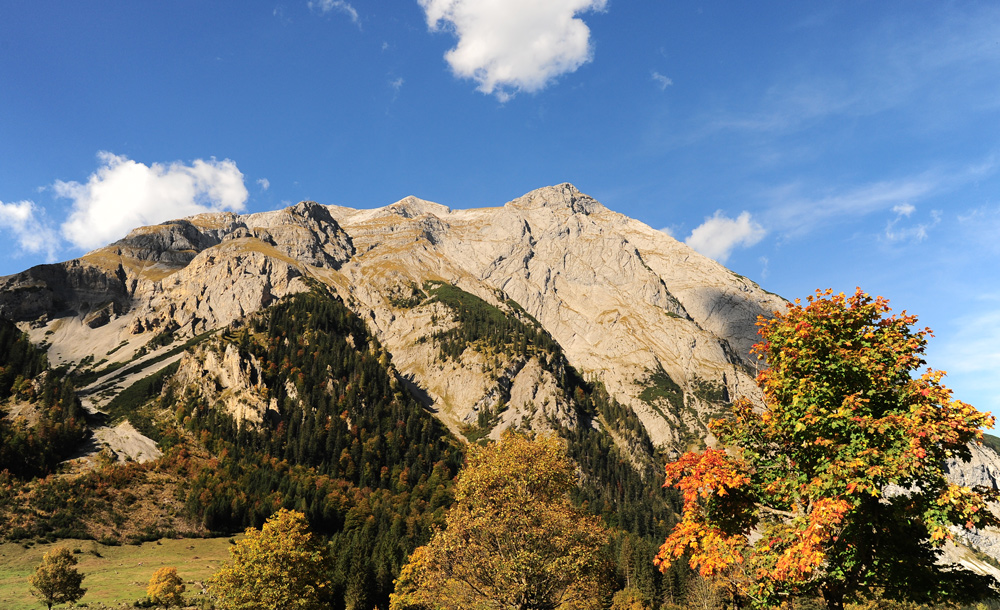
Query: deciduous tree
x=166, y=588
x=56, y=580
x=841, y=473
x=279, y=566
x=512, y=539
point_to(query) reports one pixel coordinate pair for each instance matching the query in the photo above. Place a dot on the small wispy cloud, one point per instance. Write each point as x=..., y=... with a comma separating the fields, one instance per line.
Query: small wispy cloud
x=279, y=13
x=264, y=183
x=897, y=231
x=662, y=81
x=904, y=209
x=340, y=6
x=22, y=220
x=515, y=45
x=765, y=262
x=794, y=212
x=925, y=73
x=719, y=235
x=396, y=84
x=796, y=209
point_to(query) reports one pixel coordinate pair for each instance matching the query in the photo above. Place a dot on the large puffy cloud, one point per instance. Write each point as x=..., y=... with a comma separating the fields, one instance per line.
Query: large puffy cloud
x=513, y=45
x=719, y=235
x=32, y=234
x=123, y=194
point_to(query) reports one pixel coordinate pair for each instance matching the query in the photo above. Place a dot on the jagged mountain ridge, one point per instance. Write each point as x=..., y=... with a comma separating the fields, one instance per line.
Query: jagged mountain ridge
x=630, y=306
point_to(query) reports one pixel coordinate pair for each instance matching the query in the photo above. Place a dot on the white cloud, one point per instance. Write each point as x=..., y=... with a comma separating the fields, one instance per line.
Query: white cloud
x=719, y=235
x=264, y=183
x=661, y=80
x=326, y=6
x=764, y=264
x=896, y=232
x=980, y=227
x=508, y=46
x=32, y=234
x=396, y=84
x=123, y=194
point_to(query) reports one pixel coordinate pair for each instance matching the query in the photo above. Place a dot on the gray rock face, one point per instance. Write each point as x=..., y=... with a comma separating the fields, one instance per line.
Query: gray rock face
x=306, y=232
x=50, y=291
x=983, y=469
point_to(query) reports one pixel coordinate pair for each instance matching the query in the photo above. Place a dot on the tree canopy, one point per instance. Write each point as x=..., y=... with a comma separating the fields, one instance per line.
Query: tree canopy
x=840, y=476
x=512, y=539
x=56, y=580
x=278, y=566
x=166, y=588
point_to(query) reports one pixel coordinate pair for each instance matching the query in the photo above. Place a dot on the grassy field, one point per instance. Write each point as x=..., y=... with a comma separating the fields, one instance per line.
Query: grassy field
x=112, y=574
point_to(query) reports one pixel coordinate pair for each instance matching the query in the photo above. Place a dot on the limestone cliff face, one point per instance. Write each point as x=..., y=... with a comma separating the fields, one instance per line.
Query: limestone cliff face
x=624, y=301
x=222, y=376
x=666, y=330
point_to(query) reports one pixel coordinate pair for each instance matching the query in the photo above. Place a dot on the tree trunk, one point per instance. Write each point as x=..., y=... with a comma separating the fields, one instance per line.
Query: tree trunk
x=834, y=597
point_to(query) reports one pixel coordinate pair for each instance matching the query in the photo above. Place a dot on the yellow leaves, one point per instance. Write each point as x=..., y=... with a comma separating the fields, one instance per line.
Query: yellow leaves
x=711, y=550
x=56, y=580
x=278, y=566
x=166, y=588
x=511, y=535
x=807, y=552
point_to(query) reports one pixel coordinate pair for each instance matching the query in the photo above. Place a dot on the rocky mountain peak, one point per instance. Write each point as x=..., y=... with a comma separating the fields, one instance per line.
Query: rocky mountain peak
x=306, y=232
x=561, y=196
x=411, y=207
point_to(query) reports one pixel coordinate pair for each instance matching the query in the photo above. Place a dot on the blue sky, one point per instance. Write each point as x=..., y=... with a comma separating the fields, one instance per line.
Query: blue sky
x=804, y=144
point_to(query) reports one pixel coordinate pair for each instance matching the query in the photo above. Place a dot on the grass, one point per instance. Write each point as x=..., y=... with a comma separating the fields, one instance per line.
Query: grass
x=112, y=574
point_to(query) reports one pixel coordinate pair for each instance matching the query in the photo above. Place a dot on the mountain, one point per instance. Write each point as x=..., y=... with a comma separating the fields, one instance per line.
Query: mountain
x=664, y=329
x=329, y=359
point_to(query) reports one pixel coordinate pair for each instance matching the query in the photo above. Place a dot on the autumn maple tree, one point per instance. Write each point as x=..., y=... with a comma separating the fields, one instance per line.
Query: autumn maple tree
x=835, y=486
x=513, y=539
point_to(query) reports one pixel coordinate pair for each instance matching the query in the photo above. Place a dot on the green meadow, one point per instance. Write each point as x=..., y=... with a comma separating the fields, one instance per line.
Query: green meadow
x=113, y=574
